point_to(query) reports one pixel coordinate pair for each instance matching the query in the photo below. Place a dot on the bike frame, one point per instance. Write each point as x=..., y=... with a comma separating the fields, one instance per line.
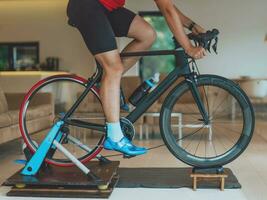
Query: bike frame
x=55, y=135
x=182, y=69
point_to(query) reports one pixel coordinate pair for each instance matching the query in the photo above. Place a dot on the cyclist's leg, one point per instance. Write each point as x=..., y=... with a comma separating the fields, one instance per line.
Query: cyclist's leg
x=109, y=94
x=90, y=18
x=143, y=37
x=110, y=84
x=126, y=23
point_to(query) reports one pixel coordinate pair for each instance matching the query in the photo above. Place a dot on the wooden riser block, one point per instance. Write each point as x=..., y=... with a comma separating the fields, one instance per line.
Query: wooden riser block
x=208, y=177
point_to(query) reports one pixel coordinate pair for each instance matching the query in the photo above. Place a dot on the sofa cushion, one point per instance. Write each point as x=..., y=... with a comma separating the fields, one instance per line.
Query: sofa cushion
x=39, y=111
x=3, y=102
x=5, y=120
x=33, y=113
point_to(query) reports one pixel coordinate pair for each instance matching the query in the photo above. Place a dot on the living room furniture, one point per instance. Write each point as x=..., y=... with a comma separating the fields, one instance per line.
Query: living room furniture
x=256, y=89
x=179, y=124
x=39, y=117
x=26, y=79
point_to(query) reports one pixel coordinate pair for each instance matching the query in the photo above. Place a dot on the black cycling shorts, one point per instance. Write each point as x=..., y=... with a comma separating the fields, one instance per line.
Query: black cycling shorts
x=98, y=25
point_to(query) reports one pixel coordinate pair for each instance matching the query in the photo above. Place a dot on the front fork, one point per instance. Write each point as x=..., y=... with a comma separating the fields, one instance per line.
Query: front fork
x=192, y=82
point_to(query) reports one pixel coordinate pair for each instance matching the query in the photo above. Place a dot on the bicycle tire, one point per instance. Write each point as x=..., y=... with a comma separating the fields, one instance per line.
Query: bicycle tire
x=196, y=161
x=23, y=113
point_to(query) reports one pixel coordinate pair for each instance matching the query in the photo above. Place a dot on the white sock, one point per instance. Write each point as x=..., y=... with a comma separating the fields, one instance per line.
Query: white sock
x=114, y=131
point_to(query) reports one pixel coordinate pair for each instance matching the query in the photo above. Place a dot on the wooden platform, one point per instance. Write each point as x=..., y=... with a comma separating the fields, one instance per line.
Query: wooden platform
x=66, y=182
x=64, y=192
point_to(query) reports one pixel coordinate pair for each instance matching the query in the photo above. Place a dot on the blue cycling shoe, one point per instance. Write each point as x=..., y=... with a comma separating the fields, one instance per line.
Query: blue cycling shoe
x=124, y=146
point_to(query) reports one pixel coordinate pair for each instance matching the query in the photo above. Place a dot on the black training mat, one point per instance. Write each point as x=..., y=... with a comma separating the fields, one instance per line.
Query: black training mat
x=168, y=178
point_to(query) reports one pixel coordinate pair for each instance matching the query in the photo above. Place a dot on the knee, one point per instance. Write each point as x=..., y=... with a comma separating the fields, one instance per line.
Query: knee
x=149, y=36
x=152, y=35
x=113, y=69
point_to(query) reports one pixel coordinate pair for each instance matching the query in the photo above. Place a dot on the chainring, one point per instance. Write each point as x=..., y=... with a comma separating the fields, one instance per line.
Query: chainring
x=127, y=128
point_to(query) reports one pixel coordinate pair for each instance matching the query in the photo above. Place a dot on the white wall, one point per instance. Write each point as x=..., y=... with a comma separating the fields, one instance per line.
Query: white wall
x=243, y=25
x=45, y=21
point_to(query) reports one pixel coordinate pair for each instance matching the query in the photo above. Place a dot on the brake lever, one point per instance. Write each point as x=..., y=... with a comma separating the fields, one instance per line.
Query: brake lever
x=204, y=44
x=208, y=46
x=214, y=46
x=205, y=40
x=196, y=43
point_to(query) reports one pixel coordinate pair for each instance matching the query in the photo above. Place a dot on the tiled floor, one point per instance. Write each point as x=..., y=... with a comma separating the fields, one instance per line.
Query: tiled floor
x=250, y=168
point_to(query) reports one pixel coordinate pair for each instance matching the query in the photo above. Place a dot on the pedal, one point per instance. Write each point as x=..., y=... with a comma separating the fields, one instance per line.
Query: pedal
x=128, y=156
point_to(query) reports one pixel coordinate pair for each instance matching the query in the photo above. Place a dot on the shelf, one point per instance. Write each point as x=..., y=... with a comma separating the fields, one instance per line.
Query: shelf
x=259, y=100
x=31, y=73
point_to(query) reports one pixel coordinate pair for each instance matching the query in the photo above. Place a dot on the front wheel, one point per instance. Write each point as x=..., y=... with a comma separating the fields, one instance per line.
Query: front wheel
x=224, y=138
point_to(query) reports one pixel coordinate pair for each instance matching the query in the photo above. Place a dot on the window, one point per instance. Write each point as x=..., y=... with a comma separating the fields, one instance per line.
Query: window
x=162, y=64
x=4, y=63
x=18, y=56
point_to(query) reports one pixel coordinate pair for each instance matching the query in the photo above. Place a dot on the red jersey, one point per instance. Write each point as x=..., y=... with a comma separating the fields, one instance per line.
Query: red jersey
x=112, y=4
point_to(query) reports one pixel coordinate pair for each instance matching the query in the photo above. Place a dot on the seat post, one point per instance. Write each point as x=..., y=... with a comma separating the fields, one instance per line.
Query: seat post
x=99, y=72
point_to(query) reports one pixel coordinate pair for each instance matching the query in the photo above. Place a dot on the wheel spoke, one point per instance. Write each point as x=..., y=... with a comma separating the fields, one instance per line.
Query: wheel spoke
x=209, y=142
x=57, y=95
x=226, y=137
x=199, y=142
x=219, y=106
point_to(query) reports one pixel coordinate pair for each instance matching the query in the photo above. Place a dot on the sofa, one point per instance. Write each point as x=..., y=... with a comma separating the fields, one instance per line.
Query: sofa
x=39, y=115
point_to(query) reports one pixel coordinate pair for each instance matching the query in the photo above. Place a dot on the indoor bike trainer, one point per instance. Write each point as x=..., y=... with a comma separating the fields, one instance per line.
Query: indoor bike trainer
x=210, y=134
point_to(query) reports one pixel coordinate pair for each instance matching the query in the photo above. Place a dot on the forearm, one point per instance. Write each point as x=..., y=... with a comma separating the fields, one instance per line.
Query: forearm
x=174, y=21
x=186, y=21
